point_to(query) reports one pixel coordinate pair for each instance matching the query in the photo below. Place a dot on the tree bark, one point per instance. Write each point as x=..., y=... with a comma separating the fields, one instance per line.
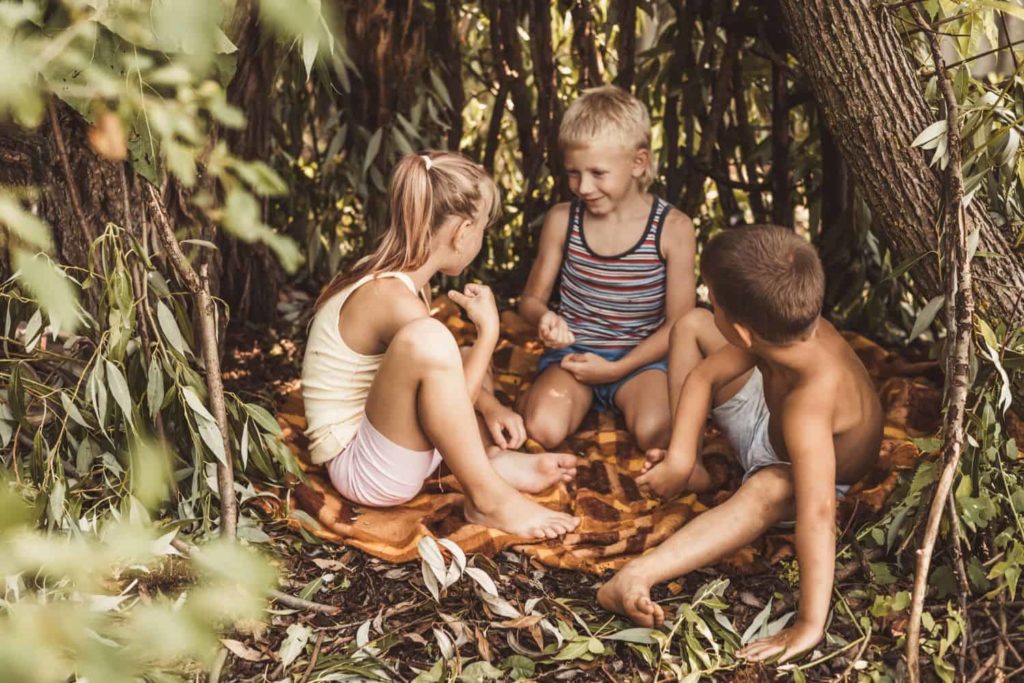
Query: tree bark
x=874, y=106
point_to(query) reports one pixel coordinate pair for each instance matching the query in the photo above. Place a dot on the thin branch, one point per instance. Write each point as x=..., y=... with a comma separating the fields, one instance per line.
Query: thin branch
x=198, y=285
x=186, y=548
x=959, y=296
x=69, y=178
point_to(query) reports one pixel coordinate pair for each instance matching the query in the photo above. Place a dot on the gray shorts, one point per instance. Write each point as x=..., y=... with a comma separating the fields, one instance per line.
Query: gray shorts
x=743, y=420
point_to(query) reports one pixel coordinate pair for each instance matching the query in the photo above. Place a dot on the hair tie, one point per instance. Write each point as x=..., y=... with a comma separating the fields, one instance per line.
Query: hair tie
x=427, y=161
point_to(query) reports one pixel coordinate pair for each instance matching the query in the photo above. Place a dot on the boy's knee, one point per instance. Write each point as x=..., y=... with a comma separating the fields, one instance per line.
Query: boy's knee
x=774, y=486
x=545, y=428
x=689, y=326
x=652, y=431
x=428, y=343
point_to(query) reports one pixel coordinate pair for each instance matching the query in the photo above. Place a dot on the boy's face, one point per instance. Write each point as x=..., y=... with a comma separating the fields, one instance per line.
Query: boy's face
x=602, y=174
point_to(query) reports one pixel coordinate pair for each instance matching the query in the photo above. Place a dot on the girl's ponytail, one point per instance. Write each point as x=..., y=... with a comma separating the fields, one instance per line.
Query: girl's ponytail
x=425, y=190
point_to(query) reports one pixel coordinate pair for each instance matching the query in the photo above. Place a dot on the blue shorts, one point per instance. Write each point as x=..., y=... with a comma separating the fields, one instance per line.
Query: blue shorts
x=604, y=394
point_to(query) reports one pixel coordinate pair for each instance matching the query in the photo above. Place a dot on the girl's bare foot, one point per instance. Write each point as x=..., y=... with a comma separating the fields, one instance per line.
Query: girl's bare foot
x=534, y=472
x=628, y=593
x=517, y=515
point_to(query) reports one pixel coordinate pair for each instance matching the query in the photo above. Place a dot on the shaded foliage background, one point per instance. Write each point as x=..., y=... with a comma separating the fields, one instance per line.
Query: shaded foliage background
x=262, y=134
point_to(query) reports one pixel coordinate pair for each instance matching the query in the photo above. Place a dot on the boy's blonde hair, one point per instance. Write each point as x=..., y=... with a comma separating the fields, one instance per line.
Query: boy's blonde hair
x=609, y=114
x=426, y=189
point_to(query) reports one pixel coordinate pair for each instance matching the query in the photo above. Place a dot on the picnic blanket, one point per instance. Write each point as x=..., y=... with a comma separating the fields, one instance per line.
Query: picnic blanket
x=617, y=521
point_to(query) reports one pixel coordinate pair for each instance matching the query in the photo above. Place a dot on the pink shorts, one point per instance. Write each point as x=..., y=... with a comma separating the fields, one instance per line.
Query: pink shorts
x=373, y=470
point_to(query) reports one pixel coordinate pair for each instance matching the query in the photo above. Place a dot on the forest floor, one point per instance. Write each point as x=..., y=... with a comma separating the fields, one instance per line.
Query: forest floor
x=388, y=626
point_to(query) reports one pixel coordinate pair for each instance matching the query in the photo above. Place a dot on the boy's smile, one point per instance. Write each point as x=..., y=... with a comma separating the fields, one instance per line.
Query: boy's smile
x=603, y=174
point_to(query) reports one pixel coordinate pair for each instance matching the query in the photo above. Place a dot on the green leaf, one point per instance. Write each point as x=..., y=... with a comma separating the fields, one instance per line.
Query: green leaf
x=926, y=316
x=294, y=643
x=929, y=137
x=372, y=149
x=23, y=224
x=52, y=290
x=759, y=622
x=169, y=327
x=154, y=387
x=638, y=635
x=119, y=389
x=480, y=671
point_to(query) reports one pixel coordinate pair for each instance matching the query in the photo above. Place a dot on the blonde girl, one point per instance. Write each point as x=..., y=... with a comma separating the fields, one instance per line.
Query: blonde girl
x=387, y=393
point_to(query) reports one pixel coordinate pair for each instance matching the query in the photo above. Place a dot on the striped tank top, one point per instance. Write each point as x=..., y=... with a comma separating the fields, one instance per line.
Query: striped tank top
x=613, y=302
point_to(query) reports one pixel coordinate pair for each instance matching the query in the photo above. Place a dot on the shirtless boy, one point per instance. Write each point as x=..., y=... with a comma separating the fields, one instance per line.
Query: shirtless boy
x=795, y=403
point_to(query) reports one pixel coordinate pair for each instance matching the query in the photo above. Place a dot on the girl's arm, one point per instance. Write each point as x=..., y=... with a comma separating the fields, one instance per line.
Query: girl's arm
x=534, y=302
x=478, y=302
x=679, y=244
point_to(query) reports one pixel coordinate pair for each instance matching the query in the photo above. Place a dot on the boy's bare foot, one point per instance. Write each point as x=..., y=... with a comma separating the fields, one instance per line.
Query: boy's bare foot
x=534, y=472
x=628, y=593
x=521, y=517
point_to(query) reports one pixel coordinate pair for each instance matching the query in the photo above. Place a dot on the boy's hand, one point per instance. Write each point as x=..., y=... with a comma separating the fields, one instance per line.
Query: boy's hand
x=478, y=302
x=787, y=643
x=554, y=331
x=590, y=368
x=505, y=426
x=662, y=476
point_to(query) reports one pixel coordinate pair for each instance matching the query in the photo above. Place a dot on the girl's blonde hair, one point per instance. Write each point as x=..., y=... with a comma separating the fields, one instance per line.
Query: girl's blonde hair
x=608, y=113
x=425, y=190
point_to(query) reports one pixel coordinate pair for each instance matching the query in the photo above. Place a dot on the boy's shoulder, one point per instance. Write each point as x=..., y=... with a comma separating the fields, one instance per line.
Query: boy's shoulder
x=559, y=212
x=678, y=229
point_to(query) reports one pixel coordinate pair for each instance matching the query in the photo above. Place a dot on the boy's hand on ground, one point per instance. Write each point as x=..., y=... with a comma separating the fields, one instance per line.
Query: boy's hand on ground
x=478, y=302
x=554, y=331
x=786, y=644
x=663, y=477
x=506, y=427
x=590, y=368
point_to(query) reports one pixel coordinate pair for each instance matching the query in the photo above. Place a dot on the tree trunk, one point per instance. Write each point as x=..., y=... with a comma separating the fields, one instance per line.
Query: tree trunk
x=874, y=106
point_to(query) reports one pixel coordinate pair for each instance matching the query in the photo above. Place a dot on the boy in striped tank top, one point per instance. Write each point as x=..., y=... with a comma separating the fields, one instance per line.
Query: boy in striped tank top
x=623, y=263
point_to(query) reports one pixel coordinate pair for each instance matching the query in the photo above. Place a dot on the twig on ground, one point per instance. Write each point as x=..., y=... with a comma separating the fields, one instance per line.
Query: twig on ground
x=186, y=549
x=960, y=301
x=983, y=669
x=299, y=603
x=207, y=310
x=218, y=665
x=313, y=658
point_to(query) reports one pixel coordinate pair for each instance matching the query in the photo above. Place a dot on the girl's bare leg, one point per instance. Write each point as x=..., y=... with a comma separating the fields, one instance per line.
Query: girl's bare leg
x=527, y=472
x=555, y=406
x=761, y=502
x=419, y=401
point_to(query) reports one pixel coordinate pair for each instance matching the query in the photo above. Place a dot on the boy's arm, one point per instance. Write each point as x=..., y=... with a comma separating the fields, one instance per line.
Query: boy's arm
x=679, y=246
x=669, y=476
x=807, y=431
x=544, y=272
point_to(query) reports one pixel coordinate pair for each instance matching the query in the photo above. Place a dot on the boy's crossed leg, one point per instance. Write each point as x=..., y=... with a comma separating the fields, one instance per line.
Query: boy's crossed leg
x=765, y=499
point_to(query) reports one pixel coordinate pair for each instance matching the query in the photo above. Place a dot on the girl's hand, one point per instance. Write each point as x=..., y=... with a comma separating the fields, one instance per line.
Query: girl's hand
x=590, y=368
x=506, y=427
x=478, y=302
x=786, y=644
x=554, y=331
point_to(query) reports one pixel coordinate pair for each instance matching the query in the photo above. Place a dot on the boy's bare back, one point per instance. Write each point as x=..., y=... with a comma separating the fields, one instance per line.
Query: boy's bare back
x=832, y=375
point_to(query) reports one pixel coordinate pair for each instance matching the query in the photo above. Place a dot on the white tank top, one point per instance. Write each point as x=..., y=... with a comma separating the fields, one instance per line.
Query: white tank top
x=335, y=379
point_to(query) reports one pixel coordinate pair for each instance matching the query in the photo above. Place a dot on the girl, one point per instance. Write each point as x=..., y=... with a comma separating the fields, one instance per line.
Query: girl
x=386, y=392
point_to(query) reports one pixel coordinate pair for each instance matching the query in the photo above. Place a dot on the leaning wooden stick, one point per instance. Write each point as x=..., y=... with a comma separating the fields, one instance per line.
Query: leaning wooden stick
x=960, y=297
x=211, y=359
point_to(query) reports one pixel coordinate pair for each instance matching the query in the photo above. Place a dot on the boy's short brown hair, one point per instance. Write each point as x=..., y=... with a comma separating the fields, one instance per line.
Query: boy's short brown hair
x=766, y=278
x=608, y=113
